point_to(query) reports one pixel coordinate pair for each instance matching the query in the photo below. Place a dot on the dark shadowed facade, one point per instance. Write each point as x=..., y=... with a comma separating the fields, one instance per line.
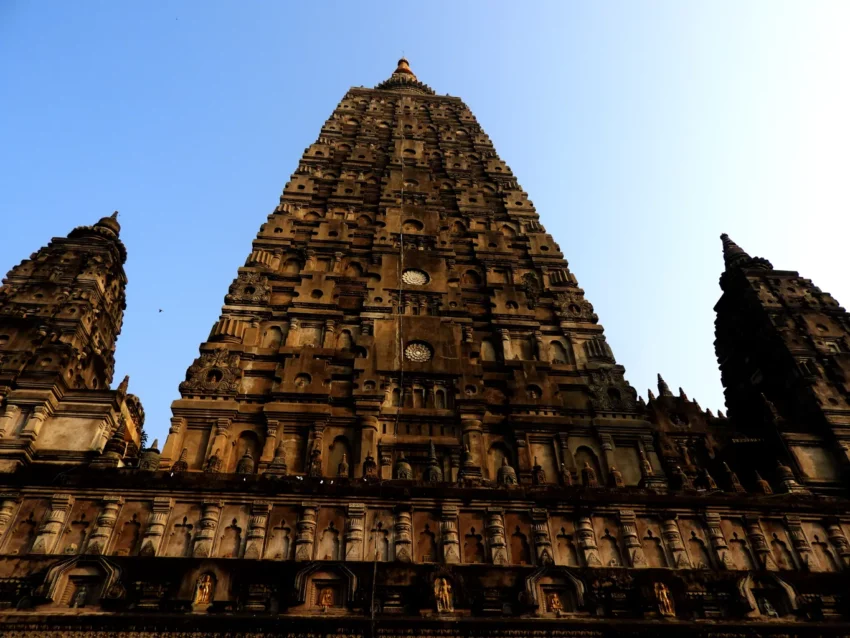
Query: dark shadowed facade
x=407, y=422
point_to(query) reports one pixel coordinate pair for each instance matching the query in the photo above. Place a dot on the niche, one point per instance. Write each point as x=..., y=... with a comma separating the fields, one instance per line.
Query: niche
x=558, y=353
x=488, y=351
x=279, y=546
x=470, y=277
x=247, y=442
x=344, y=341
x=585, y=455
x=230, y=544
x=272, y=337
x=339, y=448
x=495, y=454
x=473, y=547
x=520, y=548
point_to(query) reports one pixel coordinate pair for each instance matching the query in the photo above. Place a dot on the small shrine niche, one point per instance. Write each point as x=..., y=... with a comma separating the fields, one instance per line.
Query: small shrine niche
x=321, y=590
x=767, y=596
x=554, y=592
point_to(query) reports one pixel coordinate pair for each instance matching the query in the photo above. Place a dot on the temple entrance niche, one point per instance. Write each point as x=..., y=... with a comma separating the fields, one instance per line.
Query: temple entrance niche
x=497, y=452
x=555, y=592
x=248, y=441
x=323, y=589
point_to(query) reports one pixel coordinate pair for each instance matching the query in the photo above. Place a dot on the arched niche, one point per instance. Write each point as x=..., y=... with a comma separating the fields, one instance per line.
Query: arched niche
x=247, y=441
x=488, y=351
x=584, y=455
x=560, y=353
x=554, y=591
x=324, y=588
x=339, y=448
x=272, y=337
x=344, y=341
x=470, y=277
x=81, y=581
x=293, y=266
x=767, y=596
x=498, y=451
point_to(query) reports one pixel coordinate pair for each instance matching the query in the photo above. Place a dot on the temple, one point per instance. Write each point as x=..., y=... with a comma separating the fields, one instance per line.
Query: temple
x=407, y=421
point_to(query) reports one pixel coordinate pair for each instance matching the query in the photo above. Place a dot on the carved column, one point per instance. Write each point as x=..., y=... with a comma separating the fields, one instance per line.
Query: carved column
x=257, y=529
x=403, y=535
x=8, y=418
x=355, y=523
x=673, y=539
x=102, y=532
x=306, y=535
x=8, y=503
x=156, y=528
x=330, y=329
x=174, y=442
x=608, y=452
x=448, y=527
x=270, y=444
x=222, y=434
x=34, y=422
x=204, y=539
x=838, y=540
x=718, y=541
x=566, y=454
x=801, y=543
x=48, y=533
x=542, y=350
x=631, y=542
x=507, y=350
x=293, y=336
x=759, y=543
x=542, y=540
x=471, y=429
x=587, y=542
x=496, y=537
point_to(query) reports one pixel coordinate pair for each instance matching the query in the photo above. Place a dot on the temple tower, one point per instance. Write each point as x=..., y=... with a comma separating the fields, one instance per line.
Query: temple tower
x=60, y=315
x=784, y=356
x=404, y=293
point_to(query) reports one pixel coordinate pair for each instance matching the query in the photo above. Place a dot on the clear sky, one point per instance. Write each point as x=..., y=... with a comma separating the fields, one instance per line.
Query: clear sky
x=641, y=131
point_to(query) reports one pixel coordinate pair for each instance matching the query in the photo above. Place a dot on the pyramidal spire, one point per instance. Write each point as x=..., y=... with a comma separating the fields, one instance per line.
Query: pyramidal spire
x=663, y=388
x=404, y=79
x=736, y=257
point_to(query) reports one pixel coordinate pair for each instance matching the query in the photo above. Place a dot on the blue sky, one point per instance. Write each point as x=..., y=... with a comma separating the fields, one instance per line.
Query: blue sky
x=641, y=131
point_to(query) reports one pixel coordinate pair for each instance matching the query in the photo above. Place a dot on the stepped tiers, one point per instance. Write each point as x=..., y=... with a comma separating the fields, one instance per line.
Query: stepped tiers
x=407, y=420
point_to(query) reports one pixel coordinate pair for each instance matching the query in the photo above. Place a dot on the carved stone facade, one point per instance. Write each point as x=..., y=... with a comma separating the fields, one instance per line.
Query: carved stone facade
x=407, y=421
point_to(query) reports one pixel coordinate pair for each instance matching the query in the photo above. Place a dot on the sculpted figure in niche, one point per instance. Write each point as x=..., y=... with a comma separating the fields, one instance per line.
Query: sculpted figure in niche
x=203, y=589
x=443, y=595
x=767, y=608
x=553, y=604
x=665, y=601
x=588, y=476
x=326, y=598
x=80, y=596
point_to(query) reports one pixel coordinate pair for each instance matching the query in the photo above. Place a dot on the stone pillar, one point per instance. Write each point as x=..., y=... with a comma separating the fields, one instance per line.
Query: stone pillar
x=257, y=529
x=566, y=454
x=496, y=537
x=8, y=418
x=759, y=544
x=507, y=349
x=838, y=540
x=801, y=543
x=205, y=538
x=8, y=504
x=330, y=330
x=587, y=542
x=306, y=534
x=448, y=528
x=471, y=429
x=222, y=434
x=34, y=422
x=542, y=540
x=718, y=541
x=355, y=523
x=270, y=444
x=673, y=539
x=152, y=538
x=608, y=452
x=403, y=535
x=540, y=345
x=48, y=533
x=174, y=442
x=293, y=336
x=102, y=532
x=368, y=441
x=631, y=542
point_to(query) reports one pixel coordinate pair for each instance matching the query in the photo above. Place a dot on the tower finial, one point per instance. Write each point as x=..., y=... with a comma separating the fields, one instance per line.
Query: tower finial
x=736, y=257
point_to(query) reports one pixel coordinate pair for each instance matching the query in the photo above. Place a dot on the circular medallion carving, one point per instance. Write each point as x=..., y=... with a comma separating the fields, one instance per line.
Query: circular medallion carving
x=413, y=277
x=418, y=351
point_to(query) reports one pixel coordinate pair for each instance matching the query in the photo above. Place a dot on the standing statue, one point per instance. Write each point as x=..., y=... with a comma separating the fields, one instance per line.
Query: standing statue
x=665, y=601
x=443, y=595
x=553, y=602
x=326, y=599
x=80, y=596
x=204, y=590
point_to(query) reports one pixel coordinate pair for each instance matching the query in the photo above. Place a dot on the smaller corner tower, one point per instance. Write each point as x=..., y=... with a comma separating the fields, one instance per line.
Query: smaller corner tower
x=60, y=315
x=783, y=346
